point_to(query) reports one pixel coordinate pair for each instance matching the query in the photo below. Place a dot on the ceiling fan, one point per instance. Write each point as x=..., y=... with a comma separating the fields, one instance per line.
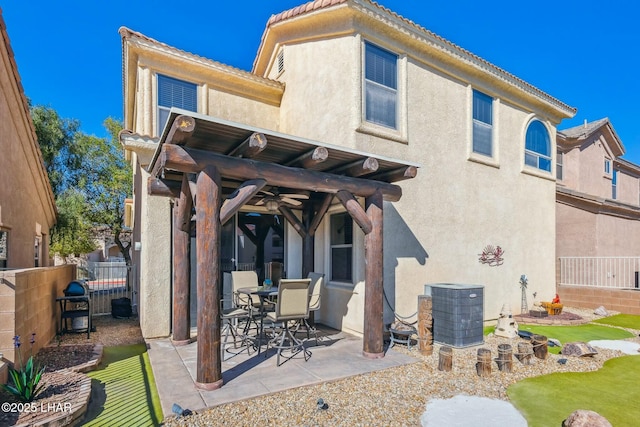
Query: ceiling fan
x=272, y=199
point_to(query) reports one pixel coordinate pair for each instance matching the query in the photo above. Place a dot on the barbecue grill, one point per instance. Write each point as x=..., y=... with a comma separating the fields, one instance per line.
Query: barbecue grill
x=75, y=305
x=76, y=289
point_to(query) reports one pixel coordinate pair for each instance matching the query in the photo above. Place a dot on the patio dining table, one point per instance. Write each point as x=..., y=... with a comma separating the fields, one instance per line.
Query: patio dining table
x=263, y=293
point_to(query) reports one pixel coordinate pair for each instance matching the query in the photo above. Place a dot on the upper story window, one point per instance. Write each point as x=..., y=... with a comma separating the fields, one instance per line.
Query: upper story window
x=174, y=93
x=537, y=151
x=341, y=248
x=381, y=86
x=614, y=185
x=607, y=166
x=559, y=164
x=482, y=124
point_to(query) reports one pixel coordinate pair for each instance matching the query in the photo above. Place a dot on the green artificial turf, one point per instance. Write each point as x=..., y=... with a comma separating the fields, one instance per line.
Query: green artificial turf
x=612, y=392
x=587, y=332
x=124, y=390
x=622, y=320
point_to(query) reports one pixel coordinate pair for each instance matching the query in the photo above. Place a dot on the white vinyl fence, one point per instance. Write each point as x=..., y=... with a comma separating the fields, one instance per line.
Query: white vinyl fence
x=603, y=272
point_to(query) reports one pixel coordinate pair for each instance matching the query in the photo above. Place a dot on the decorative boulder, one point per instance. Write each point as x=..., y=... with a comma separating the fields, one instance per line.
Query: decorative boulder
x=585, y=418
x=578, y=349
x=601, y=311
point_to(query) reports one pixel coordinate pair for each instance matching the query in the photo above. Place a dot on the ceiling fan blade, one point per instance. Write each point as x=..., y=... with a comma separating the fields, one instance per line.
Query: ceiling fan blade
x=295, y=196
x=260, y=202
x=291, y=201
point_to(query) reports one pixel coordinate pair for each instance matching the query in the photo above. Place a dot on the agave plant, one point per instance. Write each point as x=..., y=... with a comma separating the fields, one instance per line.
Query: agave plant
x=25, y=381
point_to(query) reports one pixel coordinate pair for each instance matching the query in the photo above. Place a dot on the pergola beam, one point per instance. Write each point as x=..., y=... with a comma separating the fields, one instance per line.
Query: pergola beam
x=239, y=198
x=293, y=220
x=355, y=211
x=358, y=168
x=189, y=160
x=310, y=158
x=250, y=147
x=373, y=277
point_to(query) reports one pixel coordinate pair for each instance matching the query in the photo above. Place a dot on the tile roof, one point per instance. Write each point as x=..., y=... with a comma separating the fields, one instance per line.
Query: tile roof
x=323, y=4
x=584, y=130
x=127, y=33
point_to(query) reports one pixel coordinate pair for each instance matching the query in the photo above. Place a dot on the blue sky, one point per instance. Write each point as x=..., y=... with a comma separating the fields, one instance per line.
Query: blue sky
x=585, y=53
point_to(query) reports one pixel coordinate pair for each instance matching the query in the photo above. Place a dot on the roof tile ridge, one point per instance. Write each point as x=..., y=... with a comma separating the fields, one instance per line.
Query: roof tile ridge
x=127, y=32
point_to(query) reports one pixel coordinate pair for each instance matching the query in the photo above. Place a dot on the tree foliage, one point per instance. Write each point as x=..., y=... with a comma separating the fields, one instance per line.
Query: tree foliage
x=90, y=179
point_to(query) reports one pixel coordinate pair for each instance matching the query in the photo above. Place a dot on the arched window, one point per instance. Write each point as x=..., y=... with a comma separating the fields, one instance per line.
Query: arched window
x=537, y=151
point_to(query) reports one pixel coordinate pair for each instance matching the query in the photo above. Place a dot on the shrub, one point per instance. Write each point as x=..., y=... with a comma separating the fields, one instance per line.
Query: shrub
x=26, y=379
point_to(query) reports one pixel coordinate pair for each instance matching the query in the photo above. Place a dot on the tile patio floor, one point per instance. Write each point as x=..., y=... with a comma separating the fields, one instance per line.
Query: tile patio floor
x=337, y=355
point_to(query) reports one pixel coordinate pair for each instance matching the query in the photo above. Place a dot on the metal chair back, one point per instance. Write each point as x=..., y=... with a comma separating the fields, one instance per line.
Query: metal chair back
x=293, y=299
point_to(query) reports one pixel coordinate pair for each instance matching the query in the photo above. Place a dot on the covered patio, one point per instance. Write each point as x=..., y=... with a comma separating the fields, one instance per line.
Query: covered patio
x=338, y=355
x=215, y=167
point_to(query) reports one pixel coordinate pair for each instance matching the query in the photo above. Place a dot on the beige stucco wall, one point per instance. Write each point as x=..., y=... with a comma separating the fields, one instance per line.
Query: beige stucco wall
x=454, y=208
x=26, y=205
x=152, y=214
x=459, y=204
x=28, y=304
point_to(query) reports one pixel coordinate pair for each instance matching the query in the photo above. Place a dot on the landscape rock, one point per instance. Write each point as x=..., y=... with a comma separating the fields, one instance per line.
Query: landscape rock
x=578, y=349
x=601, y=311
x=585, y=418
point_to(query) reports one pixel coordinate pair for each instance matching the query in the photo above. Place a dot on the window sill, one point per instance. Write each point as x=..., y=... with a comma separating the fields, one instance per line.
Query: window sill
x=381, y=132
x=539, y=173
x=484, y=160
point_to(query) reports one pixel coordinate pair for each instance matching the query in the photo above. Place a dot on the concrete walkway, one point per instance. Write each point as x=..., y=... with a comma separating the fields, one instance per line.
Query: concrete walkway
x=337, y=355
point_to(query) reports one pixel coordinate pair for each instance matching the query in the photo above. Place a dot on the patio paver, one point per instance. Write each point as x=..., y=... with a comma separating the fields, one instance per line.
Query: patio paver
x=338, y=355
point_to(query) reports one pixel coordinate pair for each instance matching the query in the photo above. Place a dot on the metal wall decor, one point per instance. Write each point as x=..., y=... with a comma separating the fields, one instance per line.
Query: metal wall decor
x=492, y=256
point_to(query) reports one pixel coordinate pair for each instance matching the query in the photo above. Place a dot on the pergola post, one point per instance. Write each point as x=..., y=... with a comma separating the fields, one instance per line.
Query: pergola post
x=307, y=242
x=208, y=235
x=181, y=275
x=373, y=277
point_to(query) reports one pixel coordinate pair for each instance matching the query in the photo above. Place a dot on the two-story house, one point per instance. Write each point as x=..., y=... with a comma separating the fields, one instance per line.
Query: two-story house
x=355, y=75
x=598, y=216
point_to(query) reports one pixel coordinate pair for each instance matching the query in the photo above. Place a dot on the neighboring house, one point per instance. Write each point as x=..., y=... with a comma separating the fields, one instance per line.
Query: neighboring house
x=597, y=218
x=356, y=75
x=27, y=206
x=598, y=194
x=27, y=213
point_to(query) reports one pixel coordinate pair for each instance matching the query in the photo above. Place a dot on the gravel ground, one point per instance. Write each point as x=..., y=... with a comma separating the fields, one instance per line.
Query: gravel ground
x=396, y=396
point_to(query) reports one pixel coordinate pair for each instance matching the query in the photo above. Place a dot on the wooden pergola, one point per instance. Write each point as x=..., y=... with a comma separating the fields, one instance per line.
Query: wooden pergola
x=216, y=167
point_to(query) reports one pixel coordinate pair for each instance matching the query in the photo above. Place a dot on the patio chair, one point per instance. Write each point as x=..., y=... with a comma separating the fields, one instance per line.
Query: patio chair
x=315, y=297
x=235, y=322
x=245, y=279
x=292, y=305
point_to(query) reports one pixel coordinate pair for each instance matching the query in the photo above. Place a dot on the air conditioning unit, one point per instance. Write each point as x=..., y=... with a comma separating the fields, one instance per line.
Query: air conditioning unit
x=458, y=314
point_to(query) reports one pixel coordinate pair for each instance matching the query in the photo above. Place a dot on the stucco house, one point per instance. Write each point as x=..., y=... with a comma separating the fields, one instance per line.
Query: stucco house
x=355, y=76
x=598, y=218
x=27, y=207
x=27, y=213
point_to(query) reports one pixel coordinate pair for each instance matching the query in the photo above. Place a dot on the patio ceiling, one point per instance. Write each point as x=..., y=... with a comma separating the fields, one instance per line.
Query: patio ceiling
x=261, y=153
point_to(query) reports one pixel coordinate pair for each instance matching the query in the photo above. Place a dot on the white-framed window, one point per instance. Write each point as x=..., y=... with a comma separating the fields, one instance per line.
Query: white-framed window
x=341, y=242
x=607, y=166
x=537, y=151
x=614, y=185
x=482, y=124
x=559, y=164
x=381, y=86
x=4, y=248
x=174, y=93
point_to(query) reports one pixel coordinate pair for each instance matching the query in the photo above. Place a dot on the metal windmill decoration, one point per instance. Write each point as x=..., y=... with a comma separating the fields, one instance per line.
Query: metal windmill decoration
x=524, y=307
